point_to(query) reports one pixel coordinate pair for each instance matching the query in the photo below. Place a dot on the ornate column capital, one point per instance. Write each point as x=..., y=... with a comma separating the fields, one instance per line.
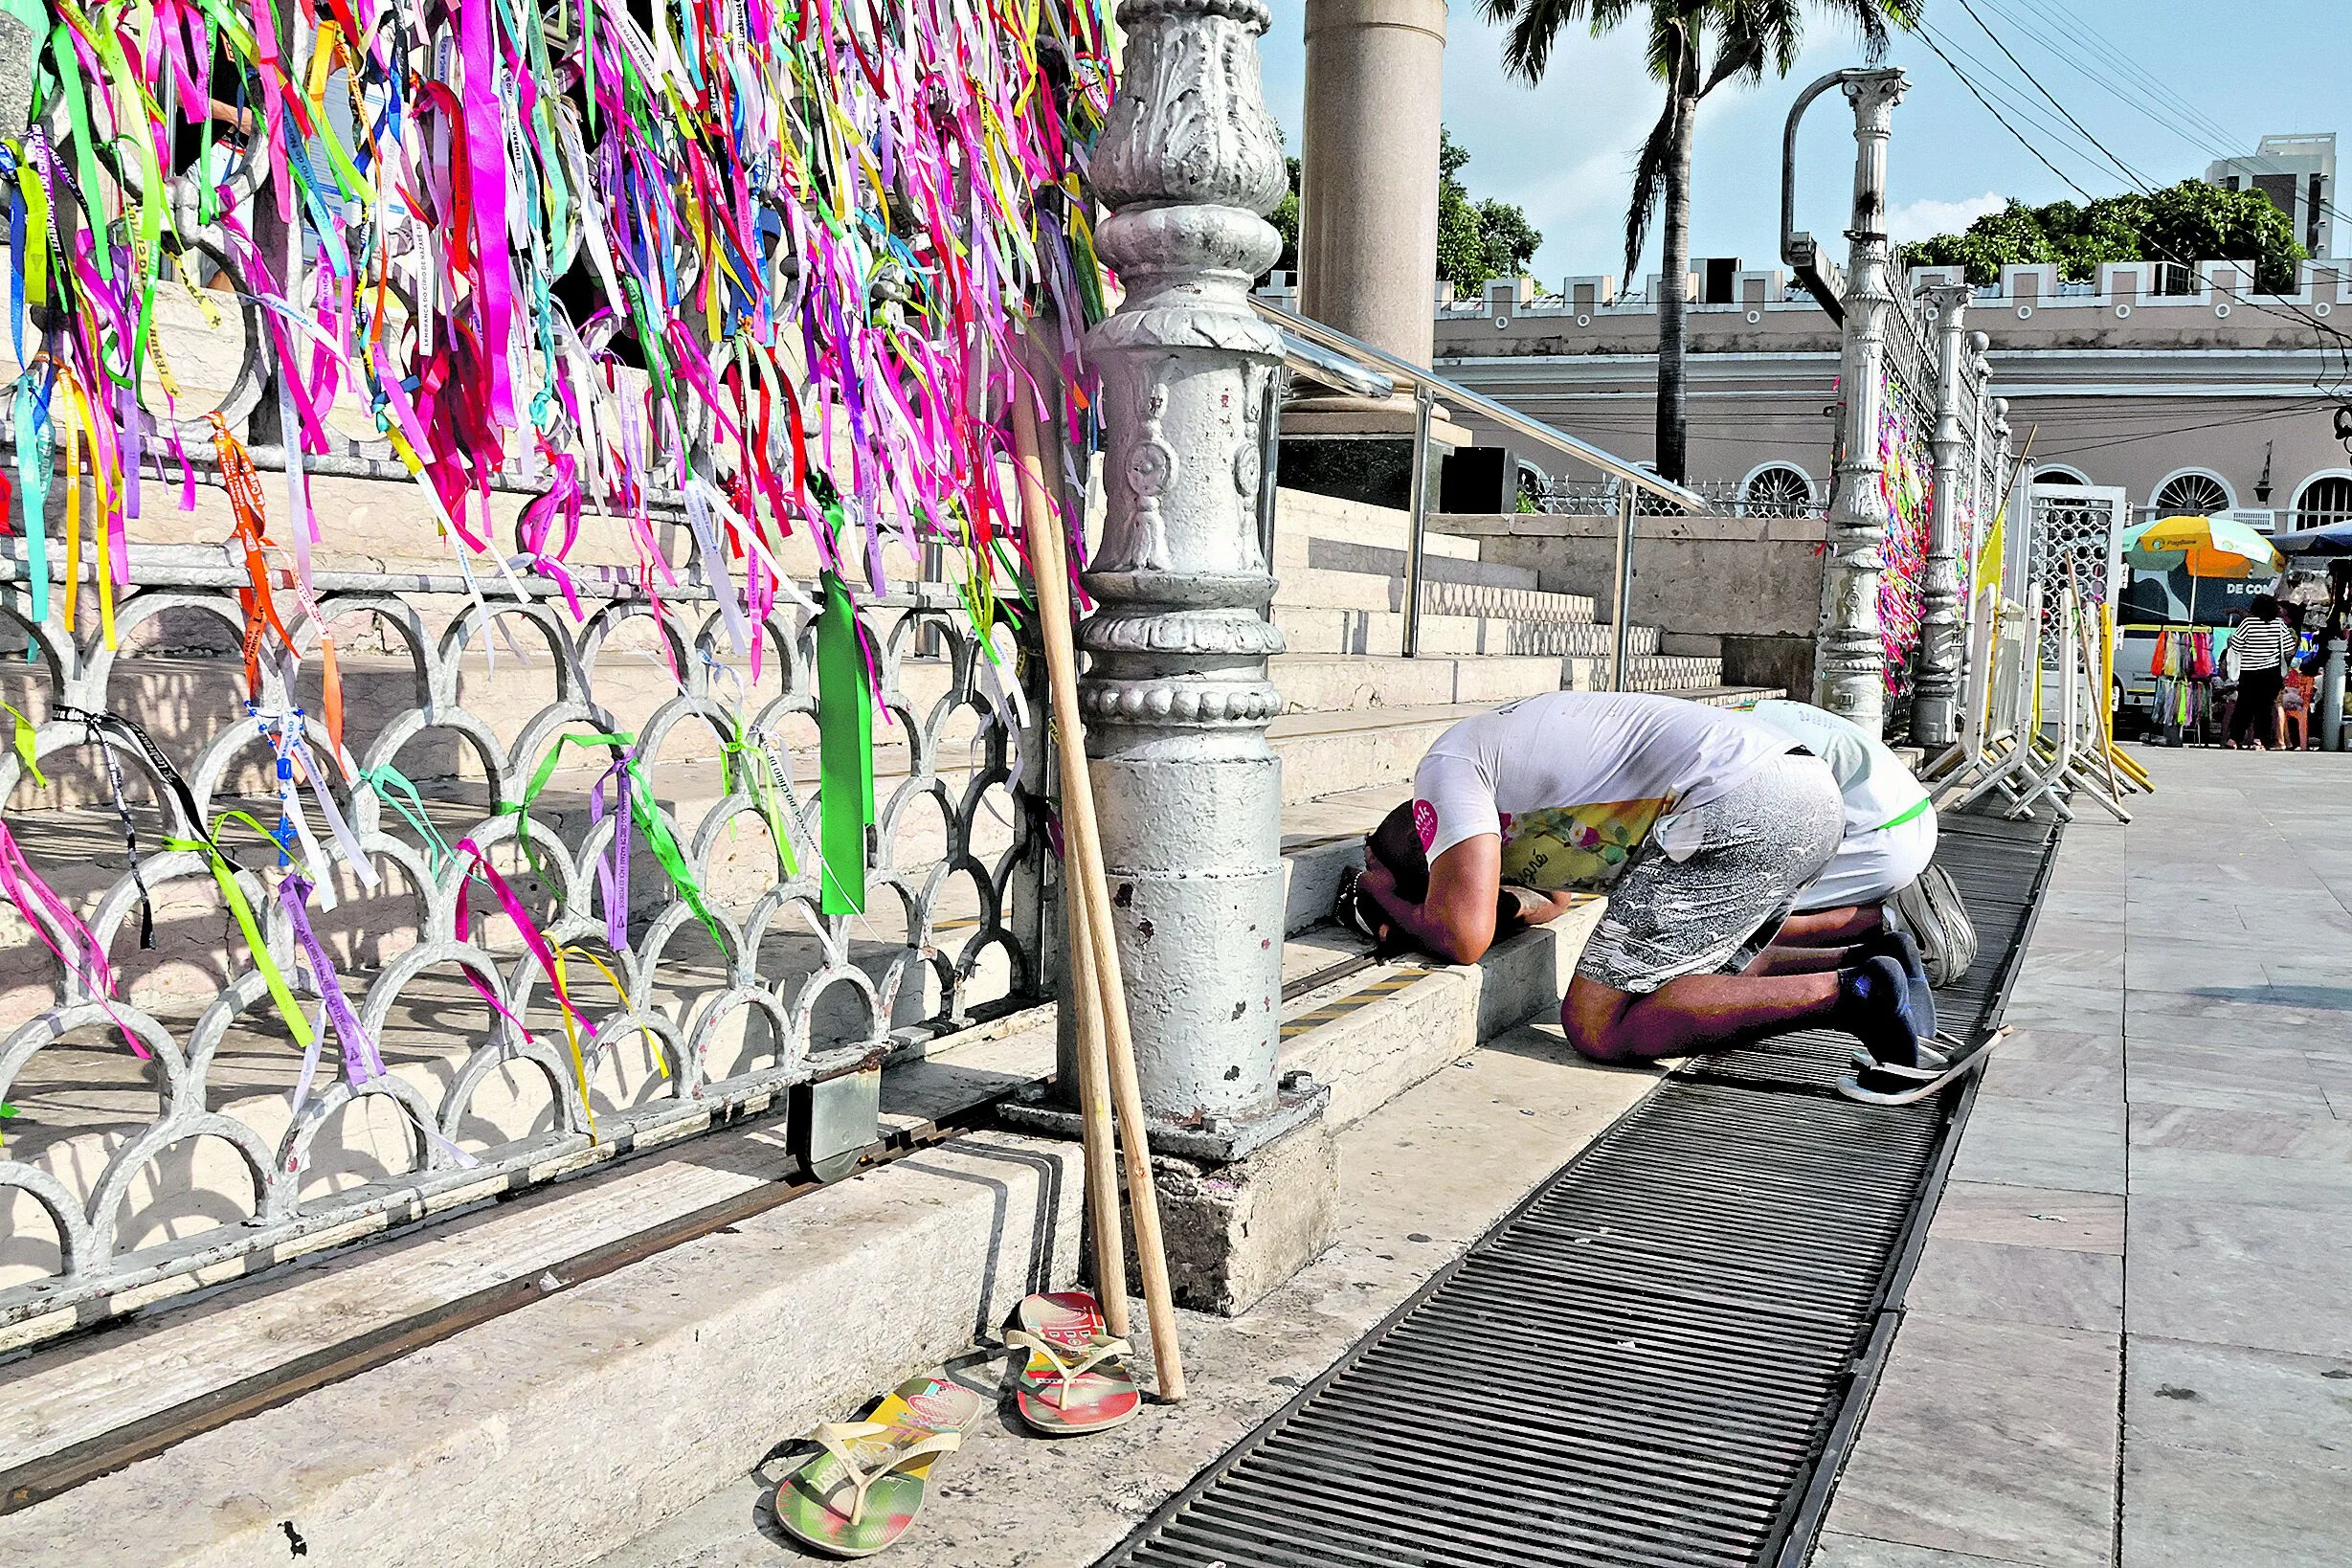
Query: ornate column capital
x=1875, y=93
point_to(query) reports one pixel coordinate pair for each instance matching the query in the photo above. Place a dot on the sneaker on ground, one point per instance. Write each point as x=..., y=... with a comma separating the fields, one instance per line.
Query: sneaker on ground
x=1874, y=1005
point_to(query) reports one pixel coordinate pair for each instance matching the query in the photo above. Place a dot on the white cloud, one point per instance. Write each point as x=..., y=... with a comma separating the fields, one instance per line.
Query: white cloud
x=1927, y=217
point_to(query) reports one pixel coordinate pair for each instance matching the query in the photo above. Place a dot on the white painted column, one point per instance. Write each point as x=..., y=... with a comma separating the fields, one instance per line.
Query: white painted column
x=1942, y=627
x=1376, y=72
x=1176, y=696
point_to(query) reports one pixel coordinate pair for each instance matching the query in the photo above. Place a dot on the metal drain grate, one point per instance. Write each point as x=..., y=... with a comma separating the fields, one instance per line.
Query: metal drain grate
x=1643, y=1364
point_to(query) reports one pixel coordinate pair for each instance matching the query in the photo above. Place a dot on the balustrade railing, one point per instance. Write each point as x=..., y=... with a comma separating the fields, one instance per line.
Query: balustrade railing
x=650, y=803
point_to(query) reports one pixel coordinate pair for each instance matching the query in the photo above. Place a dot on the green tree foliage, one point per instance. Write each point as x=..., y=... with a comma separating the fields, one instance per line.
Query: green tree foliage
x=1477, y=240
x=2191, y=221
x=1285, y=219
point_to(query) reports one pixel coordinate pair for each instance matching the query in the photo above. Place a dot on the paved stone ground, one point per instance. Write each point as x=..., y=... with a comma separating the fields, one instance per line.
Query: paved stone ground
x=1420, y=1178
x=2130, y=1338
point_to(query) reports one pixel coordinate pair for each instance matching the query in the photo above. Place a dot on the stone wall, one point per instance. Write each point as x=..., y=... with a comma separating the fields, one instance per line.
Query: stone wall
x=1746, y=588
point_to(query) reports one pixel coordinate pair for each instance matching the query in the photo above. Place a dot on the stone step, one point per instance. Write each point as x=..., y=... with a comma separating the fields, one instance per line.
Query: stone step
x=1335, y=590
x=1733, y=696
x=1674, y=673
x=1313, y=629
x=1322, y=683
x=1324, y=753
x=1302, y=515
x=1339, y=556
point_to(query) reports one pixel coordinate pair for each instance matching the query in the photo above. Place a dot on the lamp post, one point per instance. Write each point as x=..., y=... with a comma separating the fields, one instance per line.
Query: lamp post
x=1850, y=661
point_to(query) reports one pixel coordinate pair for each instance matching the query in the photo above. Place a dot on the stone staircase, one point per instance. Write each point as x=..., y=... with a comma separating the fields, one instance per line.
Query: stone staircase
x=1357, y=713
x=886, y=1259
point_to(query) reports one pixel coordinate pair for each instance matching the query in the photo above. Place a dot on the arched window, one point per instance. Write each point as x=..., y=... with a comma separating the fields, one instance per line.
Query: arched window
x=2325, y=500
x=2058, y=476
x=1776, y=490
x=2192, y=495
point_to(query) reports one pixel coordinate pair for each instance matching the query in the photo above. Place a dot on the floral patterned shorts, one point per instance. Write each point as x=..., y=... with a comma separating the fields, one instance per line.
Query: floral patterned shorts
x=1745, y=856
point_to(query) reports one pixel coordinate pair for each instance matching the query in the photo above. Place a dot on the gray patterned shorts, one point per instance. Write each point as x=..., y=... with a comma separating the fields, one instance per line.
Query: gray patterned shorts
x=1712, y=913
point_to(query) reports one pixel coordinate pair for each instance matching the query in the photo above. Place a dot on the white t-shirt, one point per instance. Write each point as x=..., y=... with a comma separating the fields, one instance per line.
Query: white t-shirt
x=1572, y=781
x=1879, y=791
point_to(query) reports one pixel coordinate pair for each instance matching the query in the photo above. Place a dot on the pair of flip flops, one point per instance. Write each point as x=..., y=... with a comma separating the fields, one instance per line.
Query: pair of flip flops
x=862, y=1492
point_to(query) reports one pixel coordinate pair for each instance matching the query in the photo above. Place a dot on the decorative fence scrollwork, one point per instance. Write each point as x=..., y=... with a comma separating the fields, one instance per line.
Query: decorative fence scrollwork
x=121, y=1171
x=2075, y=540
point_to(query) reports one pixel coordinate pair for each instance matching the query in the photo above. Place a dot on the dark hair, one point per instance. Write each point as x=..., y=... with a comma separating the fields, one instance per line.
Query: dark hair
x=2265, y=608
x=2294, y=614
x=1395, y=844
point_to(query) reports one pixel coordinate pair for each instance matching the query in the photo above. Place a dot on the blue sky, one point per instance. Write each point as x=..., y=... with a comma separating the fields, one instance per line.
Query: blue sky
x=1564, y=149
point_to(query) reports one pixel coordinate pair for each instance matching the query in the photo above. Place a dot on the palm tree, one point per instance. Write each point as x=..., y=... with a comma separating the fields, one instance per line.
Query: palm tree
x=1741, y=36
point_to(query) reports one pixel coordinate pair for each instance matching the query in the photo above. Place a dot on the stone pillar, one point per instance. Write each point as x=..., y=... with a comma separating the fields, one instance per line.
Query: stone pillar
x=1850, y=662
x=1369, y=186
x=1935, y=704
x=1176, y=699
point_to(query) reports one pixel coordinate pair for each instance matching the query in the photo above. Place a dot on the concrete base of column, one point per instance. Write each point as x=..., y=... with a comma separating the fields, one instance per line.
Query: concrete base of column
x=1235, y=1233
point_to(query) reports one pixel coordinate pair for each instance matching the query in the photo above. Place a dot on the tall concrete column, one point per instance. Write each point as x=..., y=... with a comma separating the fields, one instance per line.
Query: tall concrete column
x=1935, y=704
x=1368, y=198
x=1176, y=699
x=1848, y=661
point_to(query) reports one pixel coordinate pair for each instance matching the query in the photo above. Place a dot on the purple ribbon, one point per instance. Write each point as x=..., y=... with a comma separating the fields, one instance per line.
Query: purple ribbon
x=362, y=1061
x=613, y=875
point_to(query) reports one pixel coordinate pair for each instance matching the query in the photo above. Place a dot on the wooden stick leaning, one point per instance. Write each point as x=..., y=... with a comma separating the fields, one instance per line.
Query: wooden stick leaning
x=1095, y=959
x=1094, y=1113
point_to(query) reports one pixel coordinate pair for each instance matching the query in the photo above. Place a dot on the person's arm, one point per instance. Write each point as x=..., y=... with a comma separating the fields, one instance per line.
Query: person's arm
x=1536, y=908
x=1456, y=921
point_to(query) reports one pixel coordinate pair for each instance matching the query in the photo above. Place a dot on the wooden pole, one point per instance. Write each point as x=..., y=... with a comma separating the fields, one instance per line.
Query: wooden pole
x=1094, y=1113
x=1082, y=880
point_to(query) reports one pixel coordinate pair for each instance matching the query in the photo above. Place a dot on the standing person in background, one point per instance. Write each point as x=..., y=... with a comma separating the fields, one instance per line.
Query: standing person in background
x=2260, y=648
x=2295, y=701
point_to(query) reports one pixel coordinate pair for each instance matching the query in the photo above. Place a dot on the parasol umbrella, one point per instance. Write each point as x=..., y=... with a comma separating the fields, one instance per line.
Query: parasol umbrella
x=2208, y=547
x=2335, y=539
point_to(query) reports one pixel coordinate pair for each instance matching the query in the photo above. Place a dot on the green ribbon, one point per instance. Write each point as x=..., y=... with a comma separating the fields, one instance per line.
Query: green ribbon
x=743, y=752
x=24, y=745
x=389, y=784
x=643, y=810
x=845, y=751
x=235, y=898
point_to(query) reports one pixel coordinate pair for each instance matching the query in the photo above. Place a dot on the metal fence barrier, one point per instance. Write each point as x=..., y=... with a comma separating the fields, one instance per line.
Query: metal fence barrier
x=177, y=1133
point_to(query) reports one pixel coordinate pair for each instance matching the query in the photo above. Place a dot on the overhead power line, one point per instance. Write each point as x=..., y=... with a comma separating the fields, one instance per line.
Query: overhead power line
x=2331, y=336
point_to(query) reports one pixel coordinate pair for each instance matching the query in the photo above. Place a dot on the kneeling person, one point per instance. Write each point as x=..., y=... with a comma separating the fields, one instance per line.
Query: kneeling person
x=1701, y=825
x=1889, y=839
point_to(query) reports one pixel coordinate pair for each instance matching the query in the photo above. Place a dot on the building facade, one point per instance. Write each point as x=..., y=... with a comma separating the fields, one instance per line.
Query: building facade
x=2216, y=399
x=2299, y=174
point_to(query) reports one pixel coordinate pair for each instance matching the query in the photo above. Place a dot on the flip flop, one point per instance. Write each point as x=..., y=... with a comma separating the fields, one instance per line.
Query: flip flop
x=862, y=1493
x=1075, y=1380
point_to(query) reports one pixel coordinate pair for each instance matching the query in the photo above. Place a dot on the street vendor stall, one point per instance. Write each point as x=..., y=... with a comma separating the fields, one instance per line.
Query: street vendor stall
x=2192, y=578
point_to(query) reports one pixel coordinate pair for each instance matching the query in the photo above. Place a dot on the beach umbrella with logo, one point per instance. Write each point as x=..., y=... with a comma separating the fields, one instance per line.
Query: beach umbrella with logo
x=2207, y=547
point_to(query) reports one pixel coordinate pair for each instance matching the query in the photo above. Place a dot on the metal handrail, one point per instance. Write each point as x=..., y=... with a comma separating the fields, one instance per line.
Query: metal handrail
x=1355, y=366
x=1455, y=394
x=1349, y=374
